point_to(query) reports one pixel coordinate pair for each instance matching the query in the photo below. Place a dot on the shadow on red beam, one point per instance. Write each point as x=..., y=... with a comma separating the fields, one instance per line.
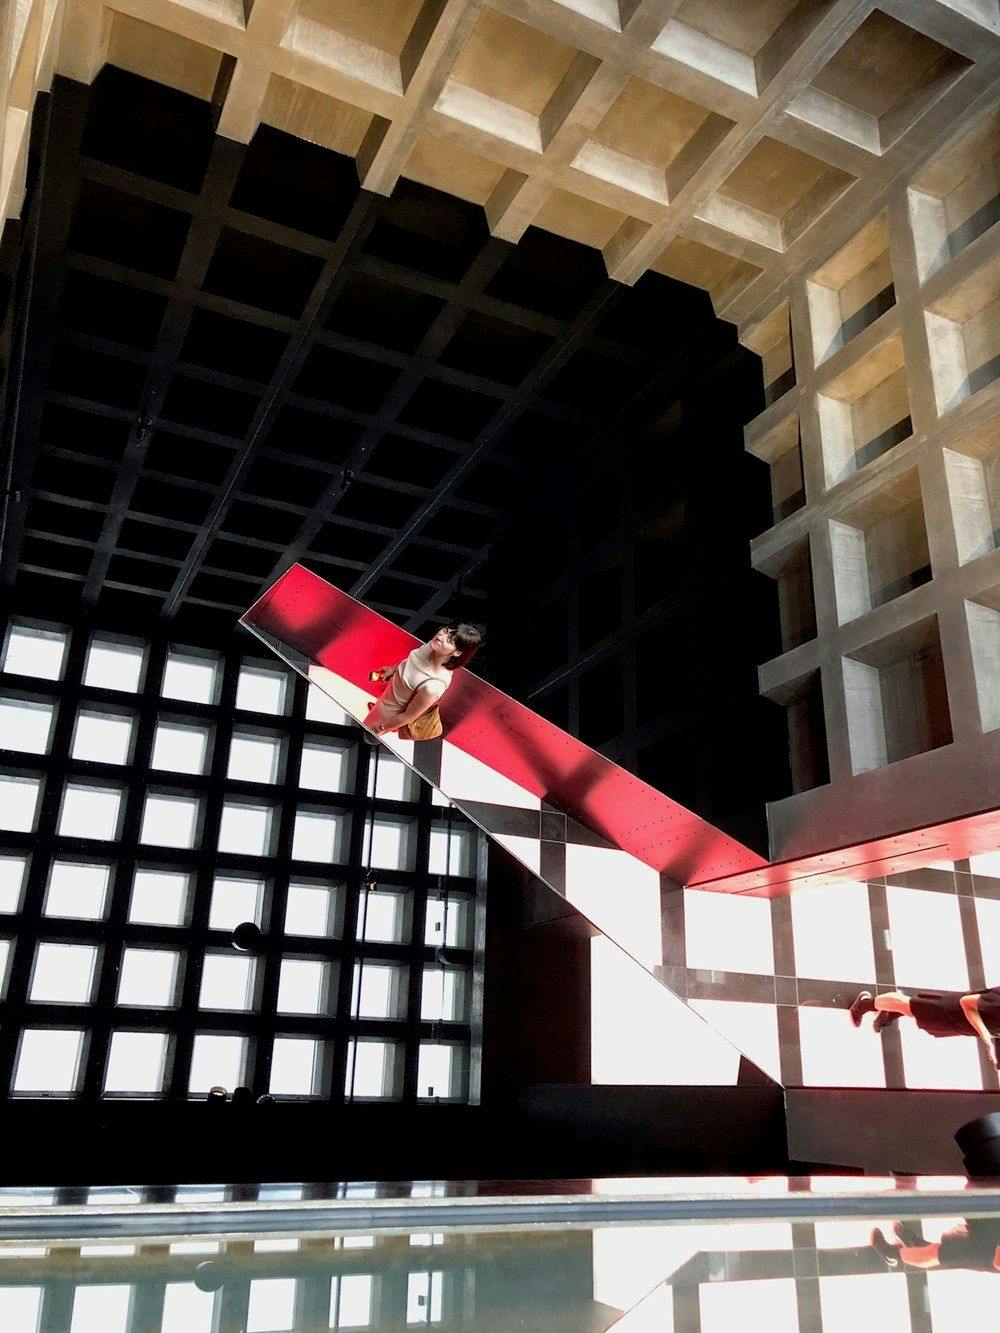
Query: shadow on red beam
x=334, y=631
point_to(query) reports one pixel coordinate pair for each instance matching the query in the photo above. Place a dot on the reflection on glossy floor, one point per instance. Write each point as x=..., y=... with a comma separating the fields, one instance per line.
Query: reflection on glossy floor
x=692, y=1255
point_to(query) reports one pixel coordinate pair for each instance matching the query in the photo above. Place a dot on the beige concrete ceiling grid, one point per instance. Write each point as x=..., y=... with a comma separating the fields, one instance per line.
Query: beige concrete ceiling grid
x=717, y=141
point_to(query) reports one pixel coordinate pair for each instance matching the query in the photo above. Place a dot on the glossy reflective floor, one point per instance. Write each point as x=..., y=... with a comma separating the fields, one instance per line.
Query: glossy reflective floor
x=698, y=1255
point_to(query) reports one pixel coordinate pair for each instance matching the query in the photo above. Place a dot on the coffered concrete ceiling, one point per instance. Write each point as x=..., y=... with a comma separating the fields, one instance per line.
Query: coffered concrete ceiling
x=718, y=141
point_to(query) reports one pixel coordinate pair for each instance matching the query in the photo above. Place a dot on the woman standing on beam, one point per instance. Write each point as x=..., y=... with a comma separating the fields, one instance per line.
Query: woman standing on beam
x=415, y=685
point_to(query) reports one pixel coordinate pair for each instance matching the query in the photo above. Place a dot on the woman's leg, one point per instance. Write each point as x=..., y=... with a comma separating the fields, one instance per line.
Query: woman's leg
x=893, y=1002
x=919, y=1256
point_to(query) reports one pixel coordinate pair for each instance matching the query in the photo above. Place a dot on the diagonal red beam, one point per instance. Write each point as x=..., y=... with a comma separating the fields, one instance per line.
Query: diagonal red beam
x=334, y=631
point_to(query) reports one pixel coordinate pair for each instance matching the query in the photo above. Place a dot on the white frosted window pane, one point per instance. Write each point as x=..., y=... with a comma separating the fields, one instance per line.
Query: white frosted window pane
x=103, y=1307
x=396, y=782
x=986, y=864
x=20, y=1307
x=327, y=767
x=114, y=666
x=77, y=891
x=831, y=926
x=751, y=1027
x=190, y=678
x=136, y=1062
x=25, y=725
x=13, y=873
x=928, y=950
x=48, y=1060
x=440, y=1069
x=626, y=1004
x=864, y=1300
x=227, y=981
x=246, y=829
x=443, y=995
x=929, y=1062
x=630, y=913
x=320, y=836
x=35, y=652
x=392, y=843
x=18, y=802
x=424, y=1293
x=954, y=1295
x=63, y=973
x=148, y=977
x=303, y=986
x=381, y=917
x=371, y=1067
x=295, y=1067
x=352, y=1305
x=379, y=991
x=105, y=738
x=217, y=1061
x=261, y=690
x=169, y=821
x=836, y=1054
x=448, y=921
x=235, y=900
x=988, y=921
x=321, y=708
x=310, y=910
x=178, y=748
x=159, y=898
x=272, y=1305
x=727, y=933
x=90, y=812
x=764, y=1304
x=186, y=1309
x=254, y=758
x=456, y=862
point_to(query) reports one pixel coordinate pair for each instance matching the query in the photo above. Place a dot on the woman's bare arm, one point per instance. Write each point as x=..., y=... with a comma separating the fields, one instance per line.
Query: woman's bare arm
x=419, y=704
x=970, y=1007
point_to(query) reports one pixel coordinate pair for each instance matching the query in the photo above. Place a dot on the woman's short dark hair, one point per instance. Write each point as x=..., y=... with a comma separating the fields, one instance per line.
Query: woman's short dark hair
x=468, y=641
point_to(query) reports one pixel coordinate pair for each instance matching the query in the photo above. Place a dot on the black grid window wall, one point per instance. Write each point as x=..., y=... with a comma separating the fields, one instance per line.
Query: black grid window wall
x=155, y=796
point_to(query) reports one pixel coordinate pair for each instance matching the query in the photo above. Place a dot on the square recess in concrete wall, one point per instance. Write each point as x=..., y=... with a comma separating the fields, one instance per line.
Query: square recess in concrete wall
x=879, y=547
x=865, y=410
x=896, y=697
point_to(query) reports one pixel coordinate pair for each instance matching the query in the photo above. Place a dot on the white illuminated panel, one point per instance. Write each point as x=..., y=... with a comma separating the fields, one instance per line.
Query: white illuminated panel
x=988, y=921
x=727, y=933
x=831, y=927
x=20, y=1306
x=655, y=1314
x=766, y=1304
x=186, y=1309
x=465, y=778
x=936, y=1062
x=620, y=895
x=321, y=708
x=864, y=1300
x=927, y=946
x=104, y=1307
x=753, y=1028
x=25, y=725
x=986, y=864
x=352, y=1299
x=836, y=1054
x=526, y=850
x=272, y=1305
x=955, y=1294
x=630, y=1260
x=34, y=652
x=627, y=1006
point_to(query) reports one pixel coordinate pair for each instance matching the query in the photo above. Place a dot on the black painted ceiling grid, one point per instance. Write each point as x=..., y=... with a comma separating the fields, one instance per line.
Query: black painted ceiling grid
x=194, y=549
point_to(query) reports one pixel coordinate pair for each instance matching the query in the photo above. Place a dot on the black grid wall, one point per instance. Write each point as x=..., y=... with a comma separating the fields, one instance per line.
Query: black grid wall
x=156, y=795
